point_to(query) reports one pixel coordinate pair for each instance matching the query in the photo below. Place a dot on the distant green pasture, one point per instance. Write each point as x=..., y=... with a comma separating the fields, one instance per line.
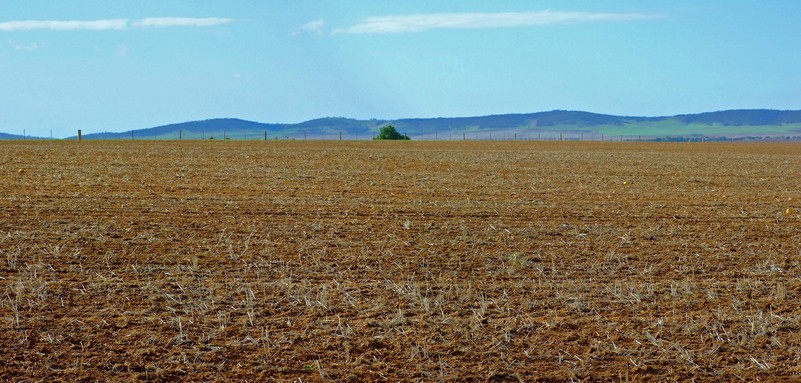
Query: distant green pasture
x=675, y=128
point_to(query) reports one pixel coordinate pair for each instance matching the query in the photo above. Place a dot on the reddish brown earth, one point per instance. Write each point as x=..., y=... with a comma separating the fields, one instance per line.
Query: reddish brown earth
x=414, y=261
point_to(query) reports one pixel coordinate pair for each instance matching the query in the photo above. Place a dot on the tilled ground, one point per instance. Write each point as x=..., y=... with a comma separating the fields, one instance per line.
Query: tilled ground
x=412, y=261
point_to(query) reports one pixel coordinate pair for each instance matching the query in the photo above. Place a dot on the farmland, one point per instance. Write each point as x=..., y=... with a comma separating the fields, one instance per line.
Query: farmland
x=412, y=261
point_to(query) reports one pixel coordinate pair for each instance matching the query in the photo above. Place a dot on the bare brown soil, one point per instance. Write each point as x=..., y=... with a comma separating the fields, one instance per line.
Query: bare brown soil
x=413, y=261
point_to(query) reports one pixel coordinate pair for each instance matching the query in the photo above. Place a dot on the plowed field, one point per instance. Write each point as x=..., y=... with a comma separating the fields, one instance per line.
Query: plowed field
x=412, y=261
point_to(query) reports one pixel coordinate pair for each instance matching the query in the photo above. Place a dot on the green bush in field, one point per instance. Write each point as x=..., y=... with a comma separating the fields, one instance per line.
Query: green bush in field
x=388, y=132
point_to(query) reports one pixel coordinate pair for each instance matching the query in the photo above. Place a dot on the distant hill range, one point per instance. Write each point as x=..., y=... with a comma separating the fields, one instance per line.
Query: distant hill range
x=556, y=124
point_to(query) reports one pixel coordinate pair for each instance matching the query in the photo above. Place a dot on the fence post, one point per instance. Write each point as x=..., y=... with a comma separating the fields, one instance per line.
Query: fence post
x=80, y=137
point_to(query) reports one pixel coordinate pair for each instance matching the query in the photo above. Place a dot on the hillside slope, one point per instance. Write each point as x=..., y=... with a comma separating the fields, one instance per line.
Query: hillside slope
x=544, y=125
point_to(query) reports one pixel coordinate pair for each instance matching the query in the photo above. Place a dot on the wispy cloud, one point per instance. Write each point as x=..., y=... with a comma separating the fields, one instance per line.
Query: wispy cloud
x=110, y=24
x=160, y=22
x=315, y=26
x=26, y=47
x=425, y=22
x=64, y=25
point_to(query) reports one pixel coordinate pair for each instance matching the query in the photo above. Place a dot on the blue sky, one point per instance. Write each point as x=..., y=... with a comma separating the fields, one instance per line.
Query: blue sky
x=121, y=65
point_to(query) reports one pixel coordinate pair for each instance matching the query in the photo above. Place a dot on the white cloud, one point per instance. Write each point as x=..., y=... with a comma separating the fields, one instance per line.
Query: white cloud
x=159, y=22
x=26, y=47
x=425, y=22
x=110, y=24
x=64, y=25
x=315, y=26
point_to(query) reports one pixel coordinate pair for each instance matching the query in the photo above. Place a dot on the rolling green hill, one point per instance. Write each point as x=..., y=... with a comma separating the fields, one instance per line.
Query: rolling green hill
x=554, y=124
x=6, y=136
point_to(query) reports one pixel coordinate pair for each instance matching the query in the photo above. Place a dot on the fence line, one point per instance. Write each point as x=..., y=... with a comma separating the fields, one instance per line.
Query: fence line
x=330, y=135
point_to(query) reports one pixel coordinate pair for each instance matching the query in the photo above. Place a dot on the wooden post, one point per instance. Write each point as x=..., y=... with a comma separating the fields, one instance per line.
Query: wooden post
x=464, y=136
x=80, y=137
x=340, y=135
x=180, y=135
x=265, y=135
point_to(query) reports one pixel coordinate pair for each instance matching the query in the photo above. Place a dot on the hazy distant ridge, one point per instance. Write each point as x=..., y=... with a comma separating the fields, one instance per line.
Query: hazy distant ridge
x=745, y=117
x=730, y=122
